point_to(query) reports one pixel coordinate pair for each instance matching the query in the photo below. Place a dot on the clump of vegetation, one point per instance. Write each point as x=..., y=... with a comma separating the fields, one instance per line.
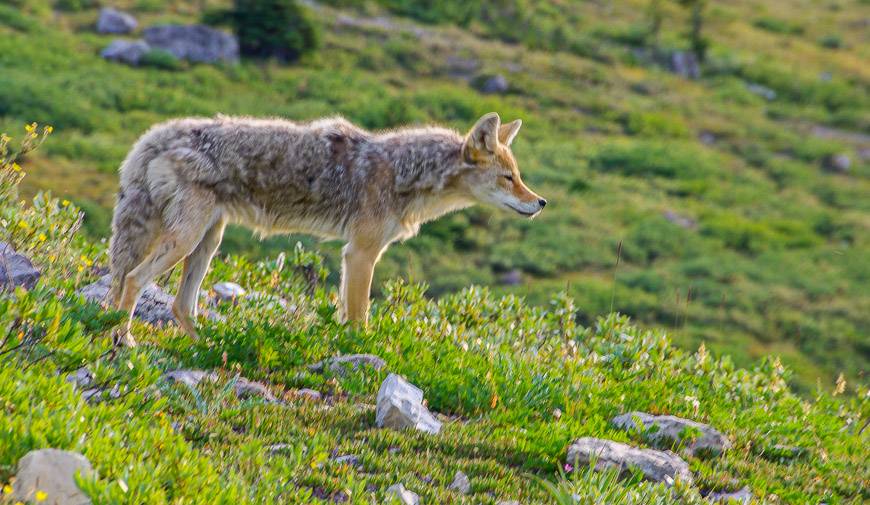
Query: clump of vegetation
x=279, y=29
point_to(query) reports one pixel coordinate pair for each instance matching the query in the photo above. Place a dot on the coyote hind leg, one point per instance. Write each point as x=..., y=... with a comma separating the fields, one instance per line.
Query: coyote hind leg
x=185, y=223
x=195, y=267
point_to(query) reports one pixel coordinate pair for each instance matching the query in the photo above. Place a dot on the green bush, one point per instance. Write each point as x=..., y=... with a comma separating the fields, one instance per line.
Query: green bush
x=673, y=160
x=279, y=29
x=777, y=25
x=158, y=58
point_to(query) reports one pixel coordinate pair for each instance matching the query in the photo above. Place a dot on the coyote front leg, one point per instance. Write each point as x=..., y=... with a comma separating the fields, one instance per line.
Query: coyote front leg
x=358, y=265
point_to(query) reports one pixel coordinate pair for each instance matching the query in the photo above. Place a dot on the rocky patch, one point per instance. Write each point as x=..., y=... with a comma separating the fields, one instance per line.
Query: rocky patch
x=16, y=269
x=130, y=52
x=665, y=432
x=400, y=406
x=243, y=387
x=52, y=472
x=656, y=466
x=154, y=306
x=743, y=496
x=340, y=365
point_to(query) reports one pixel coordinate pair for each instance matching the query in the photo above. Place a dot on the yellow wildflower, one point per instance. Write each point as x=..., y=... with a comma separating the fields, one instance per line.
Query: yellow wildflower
x=48, y=129
x=16, y=167
x=30, y=128
x=40, y=496
x=42, y=237
x=65, y=203
x=23, y=225
x=7, y=489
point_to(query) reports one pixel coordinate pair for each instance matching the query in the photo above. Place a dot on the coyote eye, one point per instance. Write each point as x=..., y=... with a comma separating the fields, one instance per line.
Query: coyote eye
x=509, y=177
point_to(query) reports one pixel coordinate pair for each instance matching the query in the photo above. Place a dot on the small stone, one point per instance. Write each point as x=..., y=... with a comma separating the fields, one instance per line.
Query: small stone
x=347, y=459
x=511, y=277
x=339, y=365
x=655, y=466
x=228, y=291
x=115, y=21
x=308, y=394
x=743, y=496
x=495, y=84
x=51, y=471
x=762, y=91
x=668, y=432
x=400, y=406
x=16, y=269
x=685, y=64
x=405, y=496
x=838, y=163
x=80, y=378
x=460, y=483
x=126, y=51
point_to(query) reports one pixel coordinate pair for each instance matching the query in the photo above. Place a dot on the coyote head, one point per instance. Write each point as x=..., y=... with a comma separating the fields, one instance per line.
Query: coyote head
x=495, y=178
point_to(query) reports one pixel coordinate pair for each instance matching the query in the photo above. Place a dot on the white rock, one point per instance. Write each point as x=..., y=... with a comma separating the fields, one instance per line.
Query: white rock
x=460, y=483
x=656, y=466
x=400, y=406
x=743, y=496
x=51, y=471
x=228, y=291
x=405, y=496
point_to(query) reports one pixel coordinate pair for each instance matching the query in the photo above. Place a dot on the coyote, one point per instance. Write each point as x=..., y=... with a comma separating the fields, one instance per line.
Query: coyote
x=185, y=179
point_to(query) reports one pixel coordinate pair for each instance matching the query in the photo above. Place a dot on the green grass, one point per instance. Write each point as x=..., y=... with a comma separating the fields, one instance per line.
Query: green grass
x=516, y=384
x=776, y=263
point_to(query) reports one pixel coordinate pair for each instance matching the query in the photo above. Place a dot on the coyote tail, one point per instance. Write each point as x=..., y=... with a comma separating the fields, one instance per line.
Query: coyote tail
x=133, y=232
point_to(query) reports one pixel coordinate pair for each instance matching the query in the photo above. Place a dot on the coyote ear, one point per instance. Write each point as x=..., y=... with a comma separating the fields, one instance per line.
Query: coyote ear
x=483, y=136
x=507, y=132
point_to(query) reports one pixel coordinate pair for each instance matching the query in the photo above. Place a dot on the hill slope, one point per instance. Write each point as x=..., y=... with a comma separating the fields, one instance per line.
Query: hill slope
x=709, y=194
x=513, y=386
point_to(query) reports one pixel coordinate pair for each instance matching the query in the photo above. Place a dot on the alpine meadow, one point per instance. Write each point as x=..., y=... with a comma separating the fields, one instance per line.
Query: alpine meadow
x=687, y=322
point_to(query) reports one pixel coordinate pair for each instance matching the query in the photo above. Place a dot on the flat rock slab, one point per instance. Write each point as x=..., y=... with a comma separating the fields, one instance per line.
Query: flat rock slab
x=154, y=306
x=400, y=406
x=656, y=466
x=194, y=43
x=125, y=51
x=244, y=388
x=665, y=432
x=51, y=471
x=339, y=365
x=16, y=269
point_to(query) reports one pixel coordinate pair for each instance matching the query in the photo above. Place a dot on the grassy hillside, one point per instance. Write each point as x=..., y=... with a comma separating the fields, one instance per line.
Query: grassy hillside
x=765, y=251
x=513, y=384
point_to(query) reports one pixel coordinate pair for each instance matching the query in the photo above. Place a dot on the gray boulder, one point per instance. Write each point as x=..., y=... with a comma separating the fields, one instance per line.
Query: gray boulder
x=15, y=269
x=154, y=306
x=404, y=496
x=743, y=496
x=656, y=466
x=115, y=21
x=195, y=43
x=243, y=388
x=51, y=471
x=400, y=406
x=339, y=365
x=665, y=431
x=762, y=91
x=680, y=220
x=460, y=483
x=125, y=51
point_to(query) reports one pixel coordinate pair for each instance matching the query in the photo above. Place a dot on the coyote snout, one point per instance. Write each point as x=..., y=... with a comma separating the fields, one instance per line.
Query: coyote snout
x=185, y=180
